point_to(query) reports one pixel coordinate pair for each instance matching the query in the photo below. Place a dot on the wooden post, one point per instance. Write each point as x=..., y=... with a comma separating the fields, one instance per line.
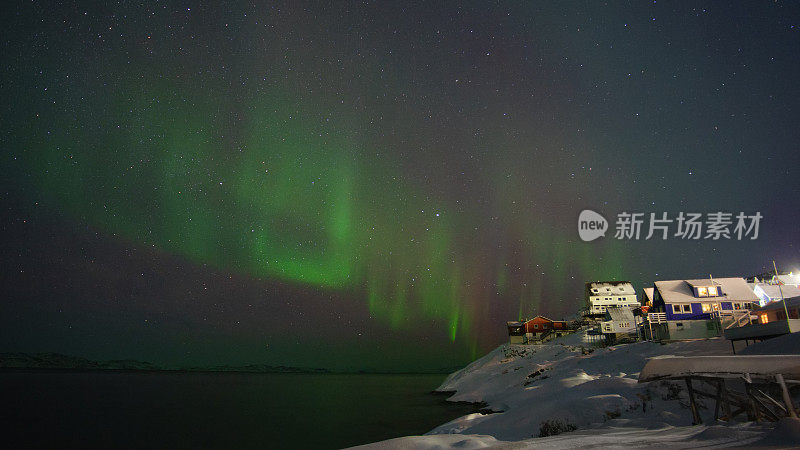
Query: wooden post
x=786, y=398
x=693, y=403
x=726, y=402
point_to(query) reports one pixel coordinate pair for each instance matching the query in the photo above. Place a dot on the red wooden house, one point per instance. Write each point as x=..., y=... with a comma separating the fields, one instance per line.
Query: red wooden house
x=541, y=324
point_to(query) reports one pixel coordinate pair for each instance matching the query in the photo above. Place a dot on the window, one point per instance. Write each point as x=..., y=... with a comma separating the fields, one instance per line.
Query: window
x=763, y=318
x=706, y=307
x=536, y=325
x=737, y=306
x=676, y=309
x=702, y=292
x=687, y=308
x=712, y=291
x=594, y=290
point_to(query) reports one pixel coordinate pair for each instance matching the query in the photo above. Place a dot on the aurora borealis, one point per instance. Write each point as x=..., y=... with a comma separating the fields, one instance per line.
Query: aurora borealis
x=369, y=185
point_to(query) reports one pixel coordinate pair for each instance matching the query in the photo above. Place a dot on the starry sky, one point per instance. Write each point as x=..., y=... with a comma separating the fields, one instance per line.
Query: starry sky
x=369, y=185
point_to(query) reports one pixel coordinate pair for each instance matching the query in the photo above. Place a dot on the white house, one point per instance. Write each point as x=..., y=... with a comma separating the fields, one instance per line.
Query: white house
x=620, y=321
x=600, y=295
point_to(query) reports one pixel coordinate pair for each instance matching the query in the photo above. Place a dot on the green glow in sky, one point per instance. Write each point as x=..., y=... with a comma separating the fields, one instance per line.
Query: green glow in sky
x=285, y=194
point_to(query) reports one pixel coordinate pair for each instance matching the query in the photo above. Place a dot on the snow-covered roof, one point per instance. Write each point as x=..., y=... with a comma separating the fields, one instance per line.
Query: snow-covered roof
x=680, y=291
x=721, y=366
x=648, y=294
x=610, y=287
x=514, y=324
x=545, y=318
x=775, y=291
x=791, y=278
x=620, y=314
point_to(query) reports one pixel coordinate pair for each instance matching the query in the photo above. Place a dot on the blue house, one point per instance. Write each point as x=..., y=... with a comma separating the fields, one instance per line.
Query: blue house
x=696, y=309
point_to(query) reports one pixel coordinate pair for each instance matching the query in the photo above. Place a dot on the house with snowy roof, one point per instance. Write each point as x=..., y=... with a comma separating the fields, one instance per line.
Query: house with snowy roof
x=540, y=327
x=694, y=309
x=789, y=279
x=600, y=295
x=647, y=296
x=516, y=332
x=768, y=293
x=620, y=323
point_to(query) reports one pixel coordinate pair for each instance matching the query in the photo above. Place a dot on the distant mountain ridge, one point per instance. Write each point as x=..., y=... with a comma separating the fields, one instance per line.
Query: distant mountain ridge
x=59, y=361
x=17, y=360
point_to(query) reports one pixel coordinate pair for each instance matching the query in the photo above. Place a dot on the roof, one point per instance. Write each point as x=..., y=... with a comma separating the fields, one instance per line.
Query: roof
x=648, y=294
x=701, y=282
x=761, y=366
x=679, y=291
x=607, y=287
x=775, y=291
x=791, y=278
x=792, y=302
x=543, y=317
x=514, y=324
x=620, y=314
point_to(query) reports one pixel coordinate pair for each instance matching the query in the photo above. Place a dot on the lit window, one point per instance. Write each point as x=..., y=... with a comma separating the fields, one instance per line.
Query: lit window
x=737, y=306
x=706, y=307
x=763, y=318
x=712, y=291
x=702, y=292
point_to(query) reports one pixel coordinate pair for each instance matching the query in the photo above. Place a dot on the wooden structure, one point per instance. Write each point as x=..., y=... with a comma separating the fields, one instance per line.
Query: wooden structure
x=763, y=377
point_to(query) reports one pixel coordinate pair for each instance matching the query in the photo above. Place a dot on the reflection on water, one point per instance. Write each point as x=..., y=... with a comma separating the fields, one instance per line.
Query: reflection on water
x=80, y=409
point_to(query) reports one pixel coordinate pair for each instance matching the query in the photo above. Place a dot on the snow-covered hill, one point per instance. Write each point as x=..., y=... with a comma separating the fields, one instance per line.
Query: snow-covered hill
x=580, y=397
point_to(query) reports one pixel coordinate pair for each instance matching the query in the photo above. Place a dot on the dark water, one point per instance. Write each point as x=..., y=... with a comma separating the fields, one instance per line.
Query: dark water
x=217, y=410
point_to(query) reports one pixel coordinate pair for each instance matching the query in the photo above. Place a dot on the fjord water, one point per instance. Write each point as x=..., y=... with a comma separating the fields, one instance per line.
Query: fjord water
x=217, y=410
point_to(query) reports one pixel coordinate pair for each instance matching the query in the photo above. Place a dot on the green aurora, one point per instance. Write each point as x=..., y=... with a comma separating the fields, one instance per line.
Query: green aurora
x=297, y=198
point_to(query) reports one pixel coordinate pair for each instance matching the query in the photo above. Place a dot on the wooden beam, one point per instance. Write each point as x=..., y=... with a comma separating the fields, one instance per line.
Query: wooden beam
x=693, y=403
x=786, y=398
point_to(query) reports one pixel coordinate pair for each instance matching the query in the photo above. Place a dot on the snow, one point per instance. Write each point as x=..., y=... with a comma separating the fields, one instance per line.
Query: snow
x=788, y=344
x=566, y=384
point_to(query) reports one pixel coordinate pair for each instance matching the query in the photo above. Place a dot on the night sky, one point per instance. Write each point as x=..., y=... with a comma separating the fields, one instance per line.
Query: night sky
x=373, y=186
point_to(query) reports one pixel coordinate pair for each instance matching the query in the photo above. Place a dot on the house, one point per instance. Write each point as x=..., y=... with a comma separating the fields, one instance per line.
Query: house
x=776, y=312
x=541, y=327
x=789, y=279
x=620, y=323
x=693, y=309
x=647, y=296
x=768, y=293
x=516, y=332
x=771, y=322
x=602, y=294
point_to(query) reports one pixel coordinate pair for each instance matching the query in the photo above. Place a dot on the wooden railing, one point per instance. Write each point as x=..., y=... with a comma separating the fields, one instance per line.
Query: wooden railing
x=657, y=317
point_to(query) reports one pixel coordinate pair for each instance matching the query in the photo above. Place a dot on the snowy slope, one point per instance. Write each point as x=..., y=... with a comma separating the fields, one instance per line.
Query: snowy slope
x=565, y=385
